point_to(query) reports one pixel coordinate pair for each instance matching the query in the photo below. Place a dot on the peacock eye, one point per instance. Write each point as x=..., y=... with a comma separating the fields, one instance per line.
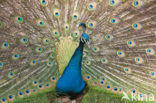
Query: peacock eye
x=115, y=89
x=120, y=53
x=34, y=90
x=112, y=2
x=66, y=26
x=108, y=37
x=127, y=70
x=136, y=3
x=5, y=45
x=11, y=74
x=44, y=3
x=33, y=63
x=46, y=41
x=35, y=82
x=113, y=20
x=20, y=93
x=51, y=55
x=53, y=78
x=152, y=74
x=91, y=6
x=10, y=97
x=87, y=62
x=108, y=86
x=136, y=26
x=47, y=84
x=40, y=23
x=27, y=91
x=19, y=19
x=40, y=86
x=3, y=99
x=150, y=51
x=91, y=24
x=15, y=56
x=1, y=64
x=138, y=60
x=49, y=63
x=39, y=50
x=56, y=13
x=75, y=16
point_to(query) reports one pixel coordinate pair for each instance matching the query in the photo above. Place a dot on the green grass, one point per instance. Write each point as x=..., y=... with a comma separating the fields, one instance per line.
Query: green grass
x=94, y=95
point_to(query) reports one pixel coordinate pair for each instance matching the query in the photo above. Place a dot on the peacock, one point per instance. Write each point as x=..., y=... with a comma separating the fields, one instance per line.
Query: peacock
x=77, y=51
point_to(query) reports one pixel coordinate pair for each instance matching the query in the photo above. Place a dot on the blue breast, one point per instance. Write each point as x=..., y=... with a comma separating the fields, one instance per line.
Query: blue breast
x=71, y=80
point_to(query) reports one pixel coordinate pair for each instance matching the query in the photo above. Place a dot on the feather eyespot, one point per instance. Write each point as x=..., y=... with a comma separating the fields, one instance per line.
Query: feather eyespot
x=131, y=43
x=44, y=3
x=24, y=40
x=114, y=20
x=108, y=37
x=35, y=83
x=39, y=50
x=66, y=26
x=40, y=23
x=33, y=63
x=11, y=97
x=19, y=19
x=152, y=74
x=150, y=51
x=53, y=78
x=15, y=56
x=47, y=84
x=27, y=92
x=139, y=60
x=95, y=49
x=136, y=26
x=104, y=60
x=5, y=45
x=75, y=16
x=3, y=100
x=11, y=74
x=115, y=90
x=91, y=6
x=49, y=63
x=88, y=62
x=88, y=77
x=56, y=33
x=51, y=55
x=133, y=91
x=136, y=3
x=1, y=64
x=76, y=33
x=127, y=70
x=94, y=83
x=120, y=53
x=102, y=82
x=114, y=2
x=56, y=13
x=20, y=94
x=91, y=24
x=46, y=41
x=34, y=90
x=40, y=86
x=108, y=87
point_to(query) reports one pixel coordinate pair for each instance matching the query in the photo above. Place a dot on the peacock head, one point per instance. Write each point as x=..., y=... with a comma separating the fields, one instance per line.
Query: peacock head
x=85, y=38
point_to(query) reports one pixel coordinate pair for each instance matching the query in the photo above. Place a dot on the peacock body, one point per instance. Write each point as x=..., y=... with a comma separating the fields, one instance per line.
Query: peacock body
x=43, y=48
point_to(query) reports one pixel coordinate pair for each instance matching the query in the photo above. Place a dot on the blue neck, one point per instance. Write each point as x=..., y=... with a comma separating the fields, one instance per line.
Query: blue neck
x=77, y=56
x=71, y=79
